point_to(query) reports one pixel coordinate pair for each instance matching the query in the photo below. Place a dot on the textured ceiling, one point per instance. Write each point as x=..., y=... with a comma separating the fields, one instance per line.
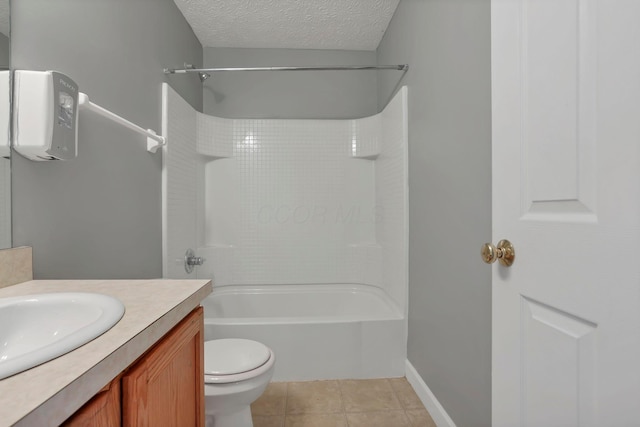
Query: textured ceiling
x=294, y=24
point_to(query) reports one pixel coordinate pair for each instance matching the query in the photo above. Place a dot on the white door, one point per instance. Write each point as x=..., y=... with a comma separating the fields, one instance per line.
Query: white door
x=566, y=193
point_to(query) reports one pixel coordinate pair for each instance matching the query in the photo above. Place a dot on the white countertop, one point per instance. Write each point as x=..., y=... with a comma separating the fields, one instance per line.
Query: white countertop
x=48, y=394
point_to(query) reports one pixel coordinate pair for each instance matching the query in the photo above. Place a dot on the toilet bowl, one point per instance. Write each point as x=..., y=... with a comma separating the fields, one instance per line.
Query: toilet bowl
x=237, y=372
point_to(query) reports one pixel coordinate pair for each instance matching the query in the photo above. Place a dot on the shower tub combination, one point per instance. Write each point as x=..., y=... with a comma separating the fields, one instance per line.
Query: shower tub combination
x=303, y=224
x=328, y=331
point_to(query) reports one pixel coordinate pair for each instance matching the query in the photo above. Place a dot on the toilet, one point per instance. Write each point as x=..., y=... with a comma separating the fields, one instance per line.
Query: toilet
x=236, y=373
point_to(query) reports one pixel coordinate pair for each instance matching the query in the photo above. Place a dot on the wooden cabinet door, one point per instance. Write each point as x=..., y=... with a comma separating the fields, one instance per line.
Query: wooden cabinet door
x=166, y=387
x=103, y=410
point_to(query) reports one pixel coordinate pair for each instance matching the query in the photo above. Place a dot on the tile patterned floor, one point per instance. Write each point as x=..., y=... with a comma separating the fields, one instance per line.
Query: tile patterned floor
x=341, y=403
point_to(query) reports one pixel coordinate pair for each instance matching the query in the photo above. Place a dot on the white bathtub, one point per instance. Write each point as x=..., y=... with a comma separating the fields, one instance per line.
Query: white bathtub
x=317, y=332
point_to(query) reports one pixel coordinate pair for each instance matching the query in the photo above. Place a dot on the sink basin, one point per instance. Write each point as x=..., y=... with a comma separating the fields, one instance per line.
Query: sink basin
x=37, y=328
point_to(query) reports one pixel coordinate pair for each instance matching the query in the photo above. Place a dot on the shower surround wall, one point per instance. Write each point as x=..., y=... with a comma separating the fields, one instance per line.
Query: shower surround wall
x=271, y=201
x=285, y=201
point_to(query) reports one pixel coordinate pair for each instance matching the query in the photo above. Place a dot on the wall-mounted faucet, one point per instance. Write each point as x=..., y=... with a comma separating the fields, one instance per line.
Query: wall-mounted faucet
x=191, y=260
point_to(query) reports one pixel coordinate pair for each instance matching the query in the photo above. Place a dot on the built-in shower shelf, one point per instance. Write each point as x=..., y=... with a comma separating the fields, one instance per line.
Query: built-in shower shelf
x=366, y=135
x=212, y=156
x=367, y=157
x=214, y=136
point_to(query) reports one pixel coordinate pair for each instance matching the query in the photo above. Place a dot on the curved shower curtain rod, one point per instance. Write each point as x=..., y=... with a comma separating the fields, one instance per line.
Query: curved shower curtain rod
x=401, y=67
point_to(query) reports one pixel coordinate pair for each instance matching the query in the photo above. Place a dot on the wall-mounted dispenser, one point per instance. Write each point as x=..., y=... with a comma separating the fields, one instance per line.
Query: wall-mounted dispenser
x=45, y=117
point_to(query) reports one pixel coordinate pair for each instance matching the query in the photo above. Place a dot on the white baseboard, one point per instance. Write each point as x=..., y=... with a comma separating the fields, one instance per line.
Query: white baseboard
x=439, y=415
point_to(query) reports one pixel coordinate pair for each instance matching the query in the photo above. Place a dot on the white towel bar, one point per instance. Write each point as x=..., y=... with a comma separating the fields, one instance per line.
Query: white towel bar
x=154, y=141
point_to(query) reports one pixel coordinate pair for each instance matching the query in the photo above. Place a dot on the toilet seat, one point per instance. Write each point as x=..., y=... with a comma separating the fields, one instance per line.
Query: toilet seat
x=233, y=359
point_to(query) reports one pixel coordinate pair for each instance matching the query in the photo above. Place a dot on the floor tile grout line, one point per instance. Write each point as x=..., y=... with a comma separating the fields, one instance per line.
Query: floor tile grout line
x=344, y=408
x=395, y=393
x=400, y=401
x=286, y=402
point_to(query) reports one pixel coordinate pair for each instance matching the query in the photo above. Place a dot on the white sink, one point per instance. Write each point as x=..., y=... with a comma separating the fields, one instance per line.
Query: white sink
x=37, y=328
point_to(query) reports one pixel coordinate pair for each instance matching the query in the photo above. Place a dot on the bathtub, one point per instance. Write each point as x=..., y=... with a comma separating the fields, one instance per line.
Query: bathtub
x=327, y=331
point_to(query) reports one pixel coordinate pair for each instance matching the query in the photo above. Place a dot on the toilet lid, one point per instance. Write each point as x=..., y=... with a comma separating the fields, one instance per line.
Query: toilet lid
x=233, y=356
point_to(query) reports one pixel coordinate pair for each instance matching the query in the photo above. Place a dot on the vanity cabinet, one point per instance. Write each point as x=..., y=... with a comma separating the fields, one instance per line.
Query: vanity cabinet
x=165, y=387
x=102, y=410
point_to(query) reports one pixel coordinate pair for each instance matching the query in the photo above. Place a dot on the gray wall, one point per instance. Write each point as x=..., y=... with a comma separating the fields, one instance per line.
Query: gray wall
x=292, y=94
x=99, y=216
x=4, y=50
x=447, y=44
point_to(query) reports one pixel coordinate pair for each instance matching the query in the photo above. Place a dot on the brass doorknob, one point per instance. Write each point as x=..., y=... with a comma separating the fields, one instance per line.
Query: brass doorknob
x=504, y=251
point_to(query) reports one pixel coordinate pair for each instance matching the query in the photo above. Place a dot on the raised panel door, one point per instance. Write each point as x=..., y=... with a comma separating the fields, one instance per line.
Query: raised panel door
x=566, y=193
x=166, y=387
